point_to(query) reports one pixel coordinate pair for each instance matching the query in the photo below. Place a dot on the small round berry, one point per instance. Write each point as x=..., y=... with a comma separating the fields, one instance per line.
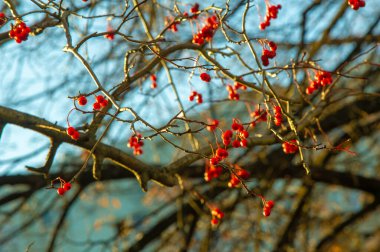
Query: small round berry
x=70, y=131
x=82, y=100
x=269, y=204
x=205, y=77
x=99, y=98
x=75, y=135
x=266, y=211
x=214, y=221
x=67, y=186
x=61, y=191
x=96, y=106
x=236, y=143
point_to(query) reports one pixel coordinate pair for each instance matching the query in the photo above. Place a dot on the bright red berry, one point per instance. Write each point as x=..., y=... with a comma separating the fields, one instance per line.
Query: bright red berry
x=266, y=211
x=70, y=131
x=67, y=186
x=205, y=77
x=96, y=106
x=61, y=191
x=269, y=204
x=82, y=100
x=75, y=135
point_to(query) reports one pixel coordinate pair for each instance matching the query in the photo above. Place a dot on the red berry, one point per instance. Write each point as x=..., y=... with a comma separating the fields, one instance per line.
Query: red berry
x=104, y=103
x=82, y=100
x=75, y=135
x=244, y=134
x=269, y=204
x=67, y=186
x=99, y=98
x=266, y=211
x=70, y=131
x=227, y=134
x=96, y=106
x=243, y=143
x=205, y=77
x=236, y=143
x=214, y=221
x=61, y=191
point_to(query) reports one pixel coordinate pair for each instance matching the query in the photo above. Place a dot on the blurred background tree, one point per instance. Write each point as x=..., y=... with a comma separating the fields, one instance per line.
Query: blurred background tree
x=151, y=89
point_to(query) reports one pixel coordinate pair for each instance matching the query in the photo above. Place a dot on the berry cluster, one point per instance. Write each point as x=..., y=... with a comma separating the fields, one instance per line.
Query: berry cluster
x=213, y=124
x=217, y=215
x=3, y=19
x=271, y=13
x=241, y=135
x=64, y=186
x=290, y=147
x=19, y=32
x=241, y=174
x=205, y=77
x=356, y=4
x=269, y=54
x=195, y=8
x=101, y=102
x=207, y=32
x=268, y=207
x=136, y=143
x=73, y=133
x=238, y=86
x=232, y=93
x=277, y=115
x=212, y=171
x=153, y=78
x=260, y=115
x=197, y=95
x=321, y=79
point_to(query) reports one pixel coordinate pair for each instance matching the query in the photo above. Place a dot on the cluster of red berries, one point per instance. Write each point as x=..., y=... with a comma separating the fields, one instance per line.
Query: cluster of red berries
x=173, y=27
x=64, y=186
x=153, y=78
x=356, y=4
x=213, y=124
x=205, y=77
x=271, y=13
x=277, y=115
x=212, y=171
x=269, y=54
x=62, y=190
x=240, y=136
x=268, y=208
x=195, y=8
x=101, y=102
x=73, y=133
x=240, y=174
x=3, y=19
x=290, y=147
x=136, y=143
x=220, y=154
x=232, y=93
x=197, y=95
x=19, y=32
x=217, y=215
x=260, y=115
x=321, y=79
x=207, y=32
